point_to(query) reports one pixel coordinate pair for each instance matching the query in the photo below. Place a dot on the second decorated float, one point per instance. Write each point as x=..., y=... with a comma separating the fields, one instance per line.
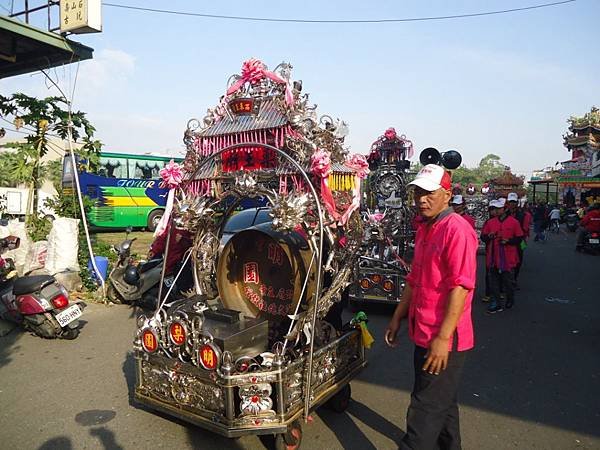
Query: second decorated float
x=387, y=216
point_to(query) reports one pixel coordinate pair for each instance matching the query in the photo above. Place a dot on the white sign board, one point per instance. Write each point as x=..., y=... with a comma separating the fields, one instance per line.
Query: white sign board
x=80, y=16
x=14, y=202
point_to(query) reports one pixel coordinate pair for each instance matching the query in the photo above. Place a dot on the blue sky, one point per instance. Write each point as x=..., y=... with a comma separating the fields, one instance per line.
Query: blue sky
x=501, y=84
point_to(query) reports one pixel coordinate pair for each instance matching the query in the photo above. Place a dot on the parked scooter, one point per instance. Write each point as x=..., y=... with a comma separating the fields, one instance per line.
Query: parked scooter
x=591, y=242
x=130, y=283
x=39, y=303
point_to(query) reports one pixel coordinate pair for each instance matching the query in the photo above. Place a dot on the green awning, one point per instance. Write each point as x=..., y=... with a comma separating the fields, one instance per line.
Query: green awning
x=25, y=49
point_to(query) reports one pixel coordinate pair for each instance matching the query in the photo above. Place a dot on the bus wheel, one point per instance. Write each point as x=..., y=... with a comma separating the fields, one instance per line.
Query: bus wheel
x=154, y=218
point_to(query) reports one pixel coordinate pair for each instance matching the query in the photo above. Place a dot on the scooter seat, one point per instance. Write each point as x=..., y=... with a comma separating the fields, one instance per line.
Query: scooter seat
x=145, y=267
x=30, y=284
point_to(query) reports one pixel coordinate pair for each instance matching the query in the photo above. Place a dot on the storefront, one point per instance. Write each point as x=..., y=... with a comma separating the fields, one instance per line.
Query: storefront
x=575, y=190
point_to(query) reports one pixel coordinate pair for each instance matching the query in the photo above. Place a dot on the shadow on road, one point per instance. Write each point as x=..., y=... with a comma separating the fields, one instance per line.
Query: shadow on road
x=8, y=345
x=349, y=434
x=105, y=436
x=57, y=443
x=129, y=372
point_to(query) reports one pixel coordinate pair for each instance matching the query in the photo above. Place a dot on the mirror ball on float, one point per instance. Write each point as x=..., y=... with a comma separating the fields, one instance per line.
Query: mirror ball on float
x=252, y=351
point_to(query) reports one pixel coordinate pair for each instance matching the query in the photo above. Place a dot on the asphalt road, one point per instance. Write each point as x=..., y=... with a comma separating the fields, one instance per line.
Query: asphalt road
x=533, y=381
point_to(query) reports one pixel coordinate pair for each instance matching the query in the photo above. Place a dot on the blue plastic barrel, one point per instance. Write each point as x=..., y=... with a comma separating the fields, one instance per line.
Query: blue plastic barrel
x=102, y=264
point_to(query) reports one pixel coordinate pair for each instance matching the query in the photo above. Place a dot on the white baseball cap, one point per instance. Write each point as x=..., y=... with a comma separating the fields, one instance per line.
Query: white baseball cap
x=513, y=197
x=432, y=177
x=457, y=200
x=501, y=202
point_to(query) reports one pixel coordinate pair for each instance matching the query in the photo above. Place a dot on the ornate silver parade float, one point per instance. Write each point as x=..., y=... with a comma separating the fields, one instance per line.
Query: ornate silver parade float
x=252, y=351
x=387, y=215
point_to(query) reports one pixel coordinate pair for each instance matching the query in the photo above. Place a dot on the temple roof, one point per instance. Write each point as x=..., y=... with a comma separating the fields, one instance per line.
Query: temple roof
x=269, y=116
x=507, y=179
x=578, y=141
x=588, y=120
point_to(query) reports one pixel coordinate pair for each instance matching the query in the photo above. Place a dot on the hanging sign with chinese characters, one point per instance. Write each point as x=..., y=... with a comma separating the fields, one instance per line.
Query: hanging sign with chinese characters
x=242, y=106
x=80, y=16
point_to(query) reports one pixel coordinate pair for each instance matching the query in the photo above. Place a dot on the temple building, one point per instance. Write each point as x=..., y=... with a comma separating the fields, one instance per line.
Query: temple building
x=579, y=178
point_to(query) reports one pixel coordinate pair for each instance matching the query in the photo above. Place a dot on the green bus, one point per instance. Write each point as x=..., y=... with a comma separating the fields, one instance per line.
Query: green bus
x=125, y=189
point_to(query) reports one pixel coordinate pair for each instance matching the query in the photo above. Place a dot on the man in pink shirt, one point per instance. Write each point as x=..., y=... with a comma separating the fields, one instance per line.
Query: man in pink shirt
x=437, y=302
x=524, y=218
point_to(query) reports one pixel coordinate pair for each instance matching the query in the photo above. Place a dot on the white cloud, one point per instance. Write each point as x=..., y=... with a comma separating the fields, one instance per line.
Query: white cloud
x=138, y=133
x=108, y=70
x=107, y=67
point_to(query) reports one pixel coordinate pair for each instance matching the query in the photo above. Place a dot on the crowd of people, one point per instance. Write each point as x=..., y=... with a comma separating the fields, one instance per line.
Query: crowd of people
x=506, y=234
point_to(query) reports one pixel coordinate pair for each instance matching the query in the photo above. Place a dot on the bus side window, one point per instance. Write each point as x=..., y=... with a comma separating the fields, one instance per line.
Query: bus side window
x=112, y=168
x=148, y=170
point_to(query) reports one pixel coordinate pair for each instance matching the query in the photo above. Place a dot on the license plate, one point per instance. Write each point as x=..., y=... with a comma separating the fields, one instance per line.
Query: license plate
x=67, y=316
x=594, y=241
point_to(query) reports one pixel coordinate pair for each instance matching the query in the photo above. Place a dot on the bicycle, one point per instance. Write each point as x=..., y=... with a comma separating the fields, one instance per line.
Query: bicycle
x=555, y=226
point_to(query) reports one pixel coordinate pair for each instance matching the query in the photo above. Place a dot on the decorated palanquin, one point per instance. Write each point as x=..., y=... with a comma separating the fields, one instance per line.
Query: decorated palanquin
x=254, y=348
x=387, y=214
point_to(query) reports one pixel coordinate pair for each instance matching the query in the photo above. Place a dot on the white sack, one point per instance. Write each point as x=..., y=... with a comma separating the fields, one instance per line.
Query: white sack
x=36, y=256
x=63, y=245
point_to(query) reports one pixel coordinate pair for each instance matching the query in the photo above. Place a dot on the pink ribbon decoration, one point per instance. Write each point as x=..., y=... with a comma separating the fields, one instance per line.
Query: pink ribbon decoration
x=320, y=165
x=390, y=133
x=355, y=201
x=358, y=163
x=172, y=176
x=254, y=70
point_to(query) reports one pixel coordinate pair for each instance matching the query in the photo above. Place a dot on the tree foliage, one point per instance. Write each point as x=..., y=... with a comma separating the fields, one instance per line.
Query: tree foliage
x=42, y=119
x=489, y=168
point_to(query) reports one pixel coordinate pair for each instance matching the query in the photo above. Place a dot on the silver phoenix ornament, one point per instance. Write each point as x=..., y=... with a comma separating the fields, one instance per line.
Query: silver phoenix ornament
x=289, y=212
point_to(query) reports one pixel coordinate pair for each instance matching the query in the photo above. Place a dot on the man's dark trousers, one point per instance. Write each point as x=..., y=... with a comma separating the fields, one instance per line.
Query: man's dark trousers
x=502, y=281
x=432, y=420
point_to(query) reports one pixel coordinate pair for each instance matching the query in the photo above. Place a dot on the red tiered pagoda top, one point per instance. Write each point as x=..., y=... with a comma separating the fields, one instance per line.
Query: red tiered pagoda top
x=506, y=183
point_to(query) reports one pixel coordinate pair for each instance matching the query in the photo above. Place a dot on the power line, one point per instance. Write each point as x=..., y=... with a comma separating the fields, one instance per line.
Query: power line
x=337, y=21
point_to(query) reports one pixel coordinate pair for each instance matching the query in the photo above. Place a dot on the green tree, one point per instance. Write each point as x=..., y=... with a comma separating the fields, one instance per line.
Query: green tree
x=490, y=167
x=43, y=118
x=6, y=176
